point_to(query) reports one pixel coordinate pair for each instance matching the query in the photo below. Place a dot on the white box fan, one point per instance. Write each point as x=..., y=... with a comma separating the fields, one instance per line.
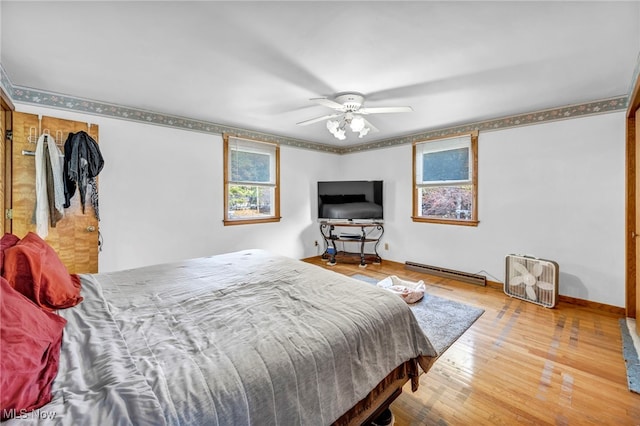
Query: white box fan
x=532, y=279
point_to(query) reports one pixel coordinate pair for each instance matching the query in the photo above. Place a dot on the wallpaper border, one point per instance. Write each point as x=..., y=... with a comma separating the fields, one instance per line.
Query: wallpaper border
x=538, y=117
x=58, y=101
x=31, y=96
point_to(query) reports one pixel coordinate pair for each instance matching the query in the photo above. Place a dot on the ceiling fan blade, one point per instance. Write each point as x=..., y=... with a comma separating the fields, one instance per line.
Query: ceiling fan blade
x=385, y=110
x=328, y=103
x=317, y=119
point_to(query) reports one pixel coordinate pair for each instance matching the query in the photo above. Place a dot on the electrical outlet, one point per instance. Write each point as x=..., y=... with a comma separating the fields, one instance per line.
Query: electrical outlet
x=386, y=246
x=316, y=243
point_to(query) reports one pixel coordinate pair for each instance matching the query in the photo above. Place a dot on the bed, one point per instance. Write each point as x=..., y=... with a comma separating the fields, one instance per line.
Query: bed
x=244, y=338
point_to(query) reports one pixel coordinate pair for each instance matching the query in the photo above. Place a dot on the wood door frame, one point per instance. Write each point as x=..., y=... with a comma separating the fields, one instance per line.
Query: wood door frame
x=6, y=109
x=630, y=208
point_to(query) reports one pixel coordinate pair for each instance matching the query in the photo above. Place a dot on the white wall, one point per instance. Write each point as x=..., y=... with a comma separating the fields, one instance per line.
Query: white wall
x=554, y=190
x=161, y=196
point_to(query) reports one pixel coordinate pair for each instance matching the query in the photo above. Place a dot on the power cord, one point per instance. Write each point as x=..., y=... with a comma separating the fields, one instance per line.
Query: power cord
x=490, y=276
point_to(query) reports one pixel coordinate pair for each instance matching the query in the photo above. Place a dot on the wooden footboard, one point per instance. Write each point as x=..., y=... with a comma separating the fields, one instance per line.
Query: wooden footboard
x=385, y=393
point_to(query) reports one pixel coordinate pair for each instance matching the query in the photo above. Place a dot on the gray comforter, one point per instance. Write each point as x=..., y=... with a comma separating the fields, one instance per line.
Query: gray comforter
x=246, y=338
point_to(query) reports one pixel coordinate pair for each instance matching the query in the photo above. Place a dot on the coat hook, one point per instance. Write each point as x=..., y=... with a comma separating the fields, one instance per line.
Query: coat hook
x=33, y=134
x=59, y=137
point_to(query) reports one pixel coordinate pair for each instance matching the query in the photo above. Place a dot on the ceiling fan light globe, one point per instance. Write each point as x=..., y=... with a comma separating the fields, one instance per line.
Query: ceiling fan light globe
x=340, y=134
x=363, y=132
x=357, y=124
x=332, y=126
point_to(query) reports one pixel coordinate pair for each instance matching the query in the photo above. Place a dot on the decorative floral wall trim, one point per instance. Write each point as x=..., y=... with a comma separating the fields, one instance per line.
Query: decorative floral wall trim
x=58, y=101
x=54, y=100
x=563, y=113
x=5, y=83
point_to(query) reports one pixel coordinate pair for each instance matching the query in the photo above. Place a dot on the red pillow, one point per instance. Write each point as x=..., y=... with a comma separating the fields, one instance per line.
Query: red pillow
x=8, y=240
x=34, y=269
x=30, y=340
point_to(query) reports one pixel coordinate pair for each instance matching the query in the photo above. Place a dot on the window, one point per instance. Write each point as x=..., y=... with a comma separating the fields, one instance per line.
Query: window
x=251, y=182
x=445, y=180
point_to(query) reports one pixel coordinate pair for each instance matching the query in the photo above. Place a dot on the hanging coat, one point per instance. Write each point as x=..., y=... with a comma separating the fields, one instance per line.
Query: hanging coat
x=82, y=163
x=49, y=186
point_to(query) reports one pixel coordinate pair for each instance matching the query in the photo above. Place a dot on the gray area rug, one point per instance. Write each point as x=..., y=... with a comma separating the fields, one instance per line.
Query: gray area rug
x=630, y=357
x=442, y=320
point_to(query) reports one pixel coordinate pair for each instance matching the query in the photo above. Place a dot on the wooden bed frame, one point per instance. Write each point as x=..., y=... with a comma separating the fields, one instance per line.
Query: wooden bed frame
x=379, y=399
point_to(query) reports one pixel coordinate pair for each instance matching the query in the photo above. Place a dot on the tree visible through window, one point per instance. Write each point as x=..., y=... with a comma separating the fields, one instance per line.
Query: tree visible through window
x=251, y=181
x=445, y=180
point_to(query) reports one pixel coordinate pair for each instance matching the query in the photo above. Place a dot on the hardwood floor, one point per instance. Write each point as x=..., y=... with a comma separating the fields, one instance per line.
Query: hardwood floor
x=519, y=363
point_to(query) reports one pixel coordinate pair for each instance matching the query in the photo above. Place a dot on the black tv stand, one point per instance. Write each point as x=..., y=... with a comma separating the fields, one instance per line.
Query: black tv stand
x=369, y=235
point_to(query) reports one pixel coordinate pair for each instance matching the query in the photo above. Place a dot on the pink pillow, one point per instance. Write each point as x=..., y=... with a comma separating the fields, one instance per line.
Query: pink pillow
x=30, y=340
x=7, y=240
x=34, y=269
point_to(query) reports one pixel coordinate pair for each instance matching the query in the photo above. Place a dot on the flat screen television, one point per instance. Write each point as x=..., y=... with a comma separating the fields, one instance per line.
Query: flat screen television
x=350, y=200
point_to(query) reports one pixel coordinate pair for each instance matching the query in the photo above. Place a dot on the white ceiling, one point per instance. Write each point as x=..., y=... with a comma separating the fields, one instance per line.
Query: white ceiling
x=255, y=65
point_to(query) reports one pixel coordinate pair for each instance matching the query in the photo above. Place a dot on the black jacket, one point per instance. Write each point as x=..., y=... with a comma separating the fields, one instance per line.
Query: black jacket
x=82, y=162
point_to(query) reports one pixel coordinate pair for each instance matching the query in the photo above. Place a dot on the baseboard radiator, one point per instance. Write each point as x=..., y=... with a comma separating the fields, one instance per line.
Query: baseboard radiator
x=447, y=273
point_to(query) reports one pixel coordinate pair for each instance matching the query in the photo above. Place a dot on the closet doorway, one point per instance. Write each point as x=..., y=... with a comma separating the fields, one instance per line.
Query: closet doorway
x=632, y=234
x=75, y=237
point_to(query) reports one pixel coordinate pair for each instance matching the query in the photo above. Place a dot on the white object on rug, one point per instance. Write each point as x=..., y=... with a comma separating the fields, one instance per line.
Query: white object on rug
x=410, y=291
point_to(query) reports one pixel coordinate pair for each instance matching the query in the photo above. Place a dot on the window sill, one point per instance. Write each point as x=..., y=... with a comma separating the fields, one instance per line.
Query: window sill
x=446, y=221
x=228, y=222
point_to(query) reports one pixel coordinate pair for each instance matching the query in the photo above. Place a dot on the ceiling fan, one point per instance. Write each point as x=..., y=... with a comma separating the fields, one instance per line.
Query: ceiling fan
x=349, y=112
